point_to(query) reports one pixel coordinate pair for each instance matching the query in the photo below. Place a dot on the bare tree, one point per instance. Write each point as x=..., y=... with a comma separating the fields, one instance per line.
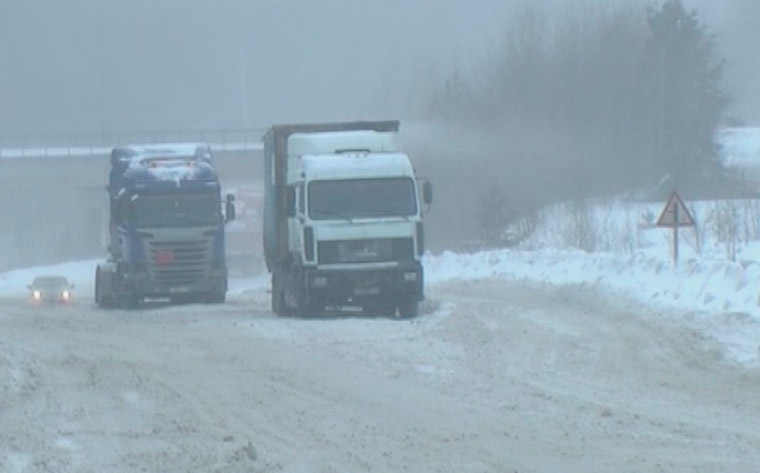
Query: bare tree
x=494, y=215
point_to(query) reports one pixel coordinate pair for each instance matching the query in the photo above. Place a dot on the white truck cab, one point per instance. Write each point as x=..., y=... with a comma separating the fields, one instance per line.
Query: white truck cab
x=354, y=224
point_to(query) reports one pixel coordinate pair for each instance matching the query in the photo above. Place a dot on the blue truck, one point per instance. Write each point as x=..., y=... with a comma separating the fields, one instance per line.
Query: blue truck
x=166, y=227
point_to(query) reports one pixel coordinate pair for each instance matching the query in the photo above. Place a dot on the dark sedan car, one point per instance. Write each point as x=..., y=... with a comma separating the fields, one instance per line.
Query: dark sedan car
x=51, y=289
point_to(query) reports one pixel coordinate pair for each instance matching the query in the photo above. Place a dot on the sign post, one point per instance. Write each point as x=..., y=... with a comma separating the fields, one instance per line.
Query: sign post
x=674, y=215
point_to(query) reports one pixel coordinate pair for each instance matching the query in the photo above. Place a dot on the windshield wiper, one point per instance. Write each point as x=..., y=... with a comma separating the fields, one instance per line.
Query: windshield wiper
x=333, y=213
x=387, y=213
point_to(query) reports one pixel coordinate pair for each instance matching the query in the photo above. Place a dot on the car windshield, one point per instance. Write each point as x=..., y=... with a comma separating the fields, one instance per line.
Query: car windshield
x=50, y=281
x=183, y=210
x=361, y=198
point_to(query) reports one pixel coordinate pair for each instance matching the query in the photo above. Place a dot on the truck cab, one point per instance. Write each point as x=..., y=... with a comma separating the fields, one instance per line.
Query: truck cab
x=166, y=227
x=352, y=215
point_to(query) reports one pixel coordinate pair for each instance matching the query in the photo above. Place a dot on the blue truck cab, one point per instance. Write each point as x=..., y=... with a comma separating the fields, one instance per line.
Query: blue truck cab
x=166, y=227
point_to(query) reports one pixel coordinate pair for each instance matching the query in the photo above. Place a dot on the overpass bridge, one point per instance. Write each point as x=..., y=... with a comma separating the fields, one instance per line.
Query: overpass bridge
x=53, y=203
x=90, y=144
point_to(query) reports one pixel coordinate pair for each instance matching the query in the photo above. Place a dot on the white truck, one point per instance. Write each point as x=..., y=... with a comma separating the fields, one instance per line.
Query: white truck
x=342, y=219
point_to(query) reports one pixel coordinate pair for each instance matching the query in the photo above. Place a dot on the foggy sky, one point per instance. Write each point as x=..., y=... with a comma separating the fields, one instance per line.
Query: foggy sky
x=72, y=66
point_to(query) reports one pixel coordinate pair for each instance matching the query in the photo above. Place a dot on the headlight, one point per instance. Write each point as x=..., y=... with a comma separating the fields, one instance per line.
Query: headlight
x=319, y=281
x=65, y=295
x=37, y=295
x=410, y=277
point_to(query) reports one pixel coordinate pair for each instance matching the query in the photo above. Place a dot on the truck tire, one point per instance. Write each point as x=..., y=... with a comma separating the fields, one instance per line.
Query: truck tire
x=409, y=309
x=102, y=300
x=276, y=302
x=275, y=296
x=282, y=306
x=279, y=306
x=278, y=297
x=98, y=294
x=306, y=308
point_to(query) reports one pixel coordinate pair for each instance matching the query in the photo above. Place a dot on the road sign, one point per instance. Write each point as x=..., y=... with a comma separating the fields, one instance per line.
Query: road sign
x=675, y=214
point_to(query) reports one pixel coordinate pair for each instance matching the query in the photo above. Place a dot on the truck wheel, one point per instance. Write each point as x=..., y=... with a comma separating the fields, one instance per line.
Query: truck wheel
x=409, y=309
x=276, y=302
x=98, y=295
x=101, y=299
x=305, y=307
x=282, y=306
x=279, y=306
x=276, y=296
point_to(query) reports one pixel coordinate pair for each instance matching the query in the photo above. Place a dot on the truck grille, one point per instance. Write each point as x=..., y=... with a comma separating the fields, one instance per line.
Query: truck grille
x=179, y=262
x=365, y=251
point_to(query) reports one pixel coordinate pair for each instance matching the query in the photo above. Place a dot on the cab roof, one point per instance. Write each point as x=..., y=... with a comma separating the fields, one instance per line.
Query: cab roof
x=352, y=165
x=199, y=151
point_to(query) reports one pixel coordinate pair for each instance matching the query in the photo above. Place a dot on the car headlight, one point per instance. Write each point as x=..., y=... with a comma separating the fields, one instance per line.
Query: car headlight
x=65, y=295
x=37, y=295
x=410, y=276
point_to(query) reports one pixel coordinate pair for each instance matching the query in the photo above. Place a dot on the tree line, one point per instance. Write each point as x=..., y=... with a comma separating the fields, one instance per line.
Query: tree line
x=606, y=101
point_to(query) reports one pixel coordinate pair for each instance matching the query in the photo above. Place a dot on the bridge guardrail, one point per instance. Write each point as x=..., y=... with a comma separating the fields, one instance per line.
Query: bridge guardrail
x=83, y=145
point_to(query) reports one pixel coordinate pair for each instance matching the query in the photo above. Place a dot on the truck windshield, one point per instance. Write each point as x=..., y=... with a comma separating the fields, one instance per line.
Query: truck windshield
x=176, y=210
x=362, y=198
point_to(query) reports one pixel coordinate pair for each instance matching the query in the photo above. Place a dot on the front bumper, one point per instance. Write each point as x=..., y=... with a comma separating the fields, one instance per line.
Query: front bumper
x=141, y=284
x=359, y=286
x=51, y=300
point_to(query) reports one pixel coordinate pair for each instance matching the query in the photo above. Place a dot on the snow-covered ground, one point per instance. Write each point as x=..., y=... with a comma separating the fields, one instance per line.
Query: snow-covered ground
x=539, y=359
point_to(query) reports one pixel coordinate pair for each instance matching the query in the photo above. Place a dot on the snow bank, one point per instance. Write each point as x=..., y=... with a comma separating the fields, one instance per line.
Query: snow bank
x=694, y=284
x=740, y=146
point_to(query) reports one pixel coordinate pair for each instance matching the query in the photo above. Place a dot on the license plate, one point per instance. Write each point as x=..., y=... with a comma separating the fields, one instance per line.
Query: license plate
x=367, y=291
x=179, y=289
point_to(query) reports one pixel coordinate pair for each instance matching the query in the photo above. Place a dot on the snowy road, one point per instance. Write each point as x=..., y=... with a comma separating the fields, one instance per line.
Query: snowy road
x=495, y=376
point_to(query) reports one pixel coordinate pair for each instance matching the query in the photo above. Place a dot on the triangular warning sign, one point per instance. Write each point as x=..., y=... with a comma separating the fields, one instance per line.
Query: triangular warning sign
x=675, y=213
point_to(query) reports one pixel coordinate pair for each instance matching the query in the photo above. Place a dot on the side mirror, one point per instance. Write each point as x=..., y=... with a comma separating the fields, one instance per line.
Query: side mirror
x=229, y=208
x=72, y=286
x=29, y=286
x=427, y=192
